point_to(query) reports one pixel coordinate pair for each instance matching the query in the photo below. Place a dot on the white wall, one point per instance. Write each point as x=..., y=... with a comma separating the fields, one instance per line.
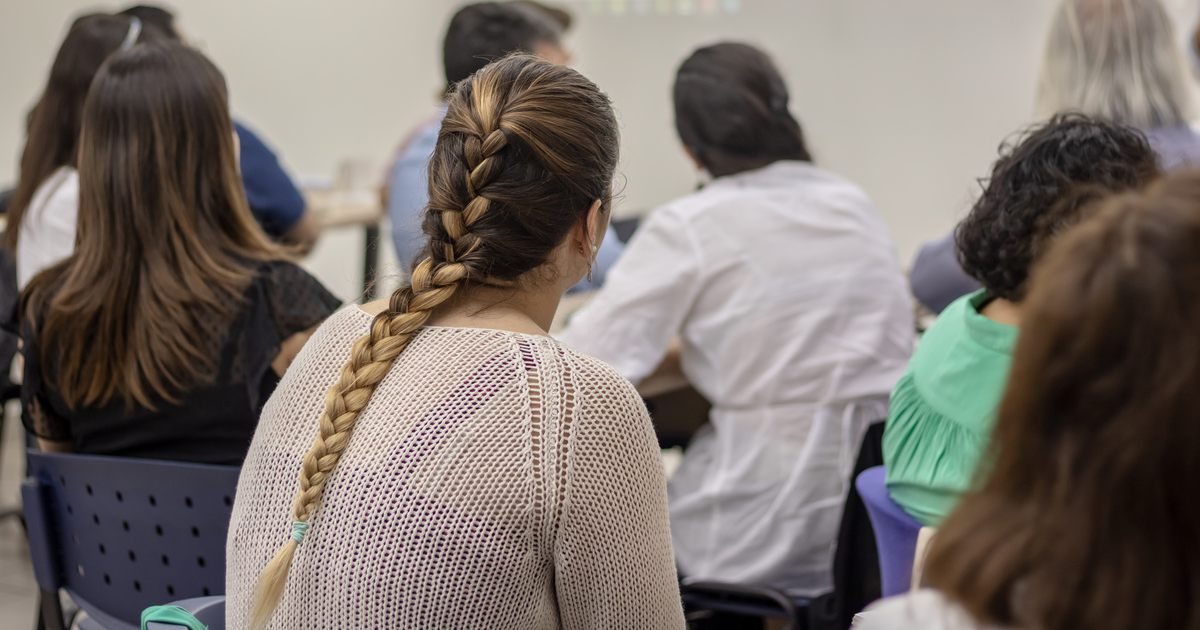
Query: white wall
x=909, y=98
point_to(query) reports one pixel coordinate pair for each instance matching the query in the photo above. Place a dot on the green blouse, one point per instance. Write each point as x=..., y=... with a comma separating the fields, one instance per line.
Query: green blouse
x=944, y=407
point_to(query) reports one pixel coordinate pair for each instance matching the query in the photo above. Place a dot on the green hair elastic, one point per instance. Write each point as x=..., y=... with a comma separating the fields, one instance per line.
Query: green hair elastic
x=299, y=528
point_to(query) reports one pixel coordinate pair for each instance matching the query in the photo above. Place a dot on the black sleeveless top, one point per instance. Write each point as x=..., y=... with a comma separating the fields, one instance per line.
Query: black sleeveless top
x=214, y=421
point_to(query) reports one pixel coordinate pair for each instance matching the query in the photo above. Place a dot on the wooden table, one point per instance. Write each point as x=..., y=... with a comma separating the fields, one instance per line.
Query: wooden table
x=347, y=209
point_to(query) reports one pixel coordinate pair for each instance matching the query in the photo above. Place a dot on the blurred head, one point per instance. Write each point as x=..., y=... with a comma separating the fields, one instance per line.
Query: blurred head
x=563, y=18
x=523, y=165
x=164, y=234
x=1041, y=185
x=481, y=33
x=157, y=18
x=1115, y=59
x=731, y=110
x=53, y=126
x=1088, y=517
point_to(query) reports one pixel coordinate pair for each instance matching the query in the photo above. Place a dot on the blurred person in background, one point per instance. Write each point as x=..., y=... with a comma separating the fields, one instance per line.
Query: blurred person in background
x=780, y=281
x=1113, y=59
x=477, y=35
x=42, y=212
x=944, y=407
x=274, y=199
x=1088, y=516
x=164, y=332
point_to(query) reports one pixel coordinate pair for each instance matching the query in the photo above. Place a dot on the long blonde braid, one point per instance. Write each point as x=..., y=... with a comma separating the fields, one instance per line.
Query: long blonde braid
x=434, y=281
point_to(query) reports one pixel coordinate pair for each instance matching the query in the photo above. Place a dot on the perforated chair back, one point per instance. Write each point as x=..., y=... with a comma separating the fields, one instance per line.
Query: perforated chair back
x=123, y=534
x=895, y=532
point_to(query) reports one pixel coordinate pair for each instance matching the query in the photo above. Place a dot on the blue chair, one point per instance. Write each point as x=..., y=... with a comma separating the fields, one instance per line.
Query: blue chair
x=120, y=534
x=895, y=532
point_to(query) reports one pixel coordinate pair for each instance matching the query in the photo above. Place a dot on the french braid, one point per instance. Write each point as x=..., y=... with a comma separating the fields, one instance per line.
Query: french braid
x=434, y=281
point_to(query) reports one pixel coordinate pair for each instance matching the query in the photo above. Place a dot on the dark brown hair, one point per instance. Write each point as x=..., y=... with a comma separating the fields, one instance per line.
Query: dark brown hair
x=525, y=150
x=156, y=17
x=1087, y=514
x=483, y=32
x=52, y=134
x=731, y=110
x=1046, y=171
x=164, y=235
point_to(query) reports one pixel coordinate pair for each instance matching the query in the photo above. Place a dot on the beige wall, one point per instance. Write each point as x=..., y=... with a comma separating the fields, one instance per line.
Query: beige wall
x=909, y=98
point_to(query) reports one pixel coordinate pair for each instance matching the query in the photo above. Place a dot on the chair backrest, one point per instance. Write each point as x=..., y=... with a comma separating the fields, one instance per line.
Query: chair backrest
x=895, y=531
x=124, y=534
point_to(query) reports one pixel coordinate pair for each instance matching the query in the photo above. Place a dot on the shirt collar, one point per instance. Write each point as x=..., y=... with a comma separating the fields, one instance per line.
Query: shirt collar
x=987, y=332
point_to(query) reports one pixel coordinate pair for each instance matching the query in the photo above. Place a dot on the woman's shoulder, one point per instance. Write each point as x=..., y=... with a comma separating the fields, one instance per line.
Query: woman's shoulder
x=920, y=610
x=294, y=299
x=62, y=187
x=331, y=342
x=283, y=272
x=951, y=326
x=349, y=320
x=598, y=381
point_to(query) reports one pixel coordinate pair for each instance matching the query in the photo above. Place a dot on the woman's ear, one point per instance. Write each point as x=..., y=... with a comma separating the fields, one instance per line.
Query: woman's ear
x=597, y=226
x=587, y=235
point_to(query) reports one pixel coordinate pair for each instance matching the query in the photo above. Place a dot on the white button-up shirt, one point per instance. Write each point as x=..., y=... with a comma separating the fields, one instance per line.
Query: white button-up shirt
x=784, y=287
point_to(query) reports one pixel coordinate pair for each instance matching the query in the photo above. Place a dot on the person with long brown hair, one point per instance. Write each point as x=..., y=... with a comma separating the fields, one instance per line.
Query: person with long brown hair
x=165, y=331
x=42, y=214
x=1086, y=516
x=467, y=471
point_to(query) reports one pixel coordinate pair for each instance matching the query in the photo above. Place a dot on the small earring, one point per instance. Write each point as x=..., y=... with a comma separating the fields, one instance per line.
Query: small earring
x=591, y=263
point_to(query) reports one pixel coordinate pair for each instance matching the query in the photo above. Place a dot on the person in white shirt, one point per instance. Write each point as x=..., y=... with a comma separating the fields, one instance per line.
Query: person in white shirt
x=782, y=284
x=1086, y=514
x=41, y=217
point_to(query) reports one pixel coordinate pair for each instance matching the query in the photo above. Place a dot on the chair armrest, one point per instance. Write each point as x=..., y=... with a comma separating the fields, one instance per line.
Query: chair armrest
x=711, y=588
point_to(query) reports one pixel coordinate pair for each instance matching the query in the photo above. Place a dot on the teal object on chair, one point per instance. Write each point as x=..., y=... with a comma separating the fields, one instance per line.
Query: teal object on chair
x=163, y=617
x=188, y=614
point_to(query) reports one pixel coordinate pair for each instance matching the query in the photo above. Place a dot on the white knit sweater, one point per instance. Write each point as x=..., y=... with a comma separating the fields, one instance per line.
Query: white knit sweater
x=495, y=480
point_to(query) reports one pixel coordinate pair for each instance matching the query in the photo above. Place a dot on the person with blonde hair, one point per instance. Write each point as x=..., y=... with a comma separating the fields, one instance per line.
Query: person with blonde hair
x=1119, y=60
x=1112, y=59
x=436, y=459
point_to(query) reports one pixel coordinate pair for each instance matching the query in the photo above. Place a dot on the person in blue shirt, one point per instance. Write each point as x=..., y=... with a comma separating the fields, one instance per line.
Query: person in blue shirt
x=274, y=200
x=478, y=34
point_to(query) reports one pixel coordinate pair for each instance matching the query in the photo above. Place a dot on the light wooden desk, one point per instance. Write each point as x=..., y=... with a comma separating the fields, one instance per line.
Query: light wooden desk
x=341, y=209
x=362, y=208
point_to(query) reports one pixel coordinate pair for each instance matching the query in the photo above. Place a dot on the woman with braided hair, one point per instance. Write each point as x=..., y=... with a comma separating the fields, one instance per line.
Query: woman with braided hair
x=467, y=470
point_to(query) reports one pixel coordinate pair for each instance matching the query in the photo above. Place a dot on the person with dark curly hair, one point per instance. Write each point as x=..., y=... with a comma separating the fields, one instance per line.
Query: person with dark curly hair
x=1113, y=59
x=943, y=409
